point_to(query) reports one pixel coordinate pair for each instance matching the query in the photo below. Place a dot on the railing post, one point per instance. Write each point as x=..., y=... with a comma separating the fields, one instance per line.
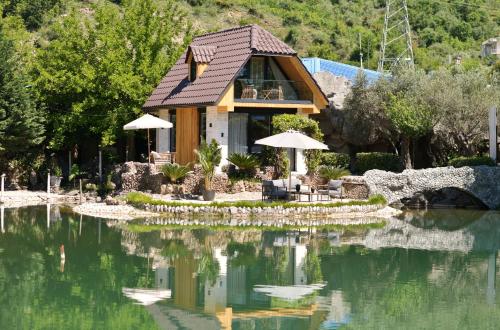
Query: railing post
x=48, y=184
x=2, y=188
x=2, y=216
x=81, y=192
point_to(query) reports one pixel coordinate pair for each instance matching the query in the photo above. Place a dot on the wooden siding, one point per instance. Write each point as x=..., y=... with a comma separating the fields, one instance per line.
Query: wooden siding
x=186, y=134
x=185, y=283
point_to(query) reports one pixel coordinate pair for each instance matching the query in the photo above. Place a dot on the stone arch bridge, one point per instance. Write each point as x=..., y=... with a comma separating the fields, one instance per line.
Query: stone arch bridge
x=482, y=182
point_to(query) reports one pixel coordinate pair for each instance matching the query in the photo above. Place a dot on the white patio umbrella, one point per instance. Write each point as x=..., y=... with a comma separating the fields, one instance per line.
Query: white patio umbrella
x=146, y=122
x=292, y=140
x=146, y=296
x=290, y=292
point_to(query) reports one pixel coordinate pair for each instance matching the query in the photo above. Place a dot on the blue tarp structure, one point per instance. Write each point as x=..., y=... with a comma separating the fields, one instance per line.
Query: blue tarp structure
x=315, y=64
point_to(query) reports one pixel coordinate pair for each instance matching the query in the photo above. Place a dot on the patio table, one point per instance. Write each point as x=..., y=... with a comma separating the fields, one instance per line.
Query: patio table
x=310, y=195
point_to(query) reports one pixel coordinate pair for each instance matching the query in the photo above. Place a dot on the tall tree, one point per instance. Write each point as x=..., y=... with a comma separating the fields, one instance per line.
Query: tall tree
x=411, y=120
x=21, y=122
x=98, y=70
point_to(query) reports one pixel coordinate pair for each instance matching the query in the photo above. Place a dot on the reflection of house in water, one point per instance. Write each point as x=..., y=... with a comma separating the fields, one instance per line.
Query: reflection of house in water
x=238, y=294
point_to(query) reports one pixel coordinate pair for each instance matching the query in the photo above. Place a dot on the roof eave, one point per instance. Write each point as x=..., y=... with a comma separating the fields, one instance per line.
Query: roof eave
x=176, y=106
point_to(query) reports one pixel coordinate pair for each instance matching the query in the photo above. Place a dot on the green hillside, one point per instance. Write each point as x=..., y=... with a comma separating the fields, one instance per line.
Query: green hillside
x=442, y=29
x=331, y=28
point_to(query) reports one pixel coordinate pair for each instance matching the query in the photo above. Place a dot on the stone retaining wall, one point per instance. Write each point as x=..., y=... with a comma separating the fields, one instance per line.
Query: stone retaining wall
x=354, y=187
x=482, y=182
x=270, y=212
x=264, y=221
x=132, y=176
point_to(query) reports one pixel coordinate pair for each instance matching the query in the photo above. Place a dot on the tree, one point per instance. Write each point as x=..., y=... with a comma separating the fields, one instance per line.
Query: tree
x=96, y=73
x=363, y=115
x=31, y=11
x=309, y=127
x=21, y=121
x=411, y=120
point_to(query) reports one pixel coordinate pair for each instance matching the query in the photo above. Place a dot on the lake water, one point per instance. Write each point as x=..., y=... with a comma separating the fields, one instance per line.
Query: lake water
x=425, y=270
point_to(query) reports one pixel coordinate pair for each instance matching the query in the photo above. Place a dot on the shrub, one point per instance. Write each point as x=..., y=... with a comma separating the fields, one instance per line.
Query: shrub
x=333, y=172
x=174, y=172
x=245, y=163
x=378, y=160
x=335, y=159
x=471, y=161
x=91, y=187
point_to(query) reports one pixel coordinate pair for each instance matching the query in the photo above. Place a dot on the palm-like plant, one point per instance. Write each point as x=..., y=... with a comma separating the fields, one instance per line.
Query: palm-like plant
x=209, y=157
x=174, y=172
x=245, y=163
x=333, y=172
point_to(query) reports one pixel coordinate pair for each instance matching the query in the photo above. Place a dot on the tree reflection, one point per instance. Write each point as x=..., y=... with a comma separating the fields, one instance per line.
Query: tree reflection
x=35, y=294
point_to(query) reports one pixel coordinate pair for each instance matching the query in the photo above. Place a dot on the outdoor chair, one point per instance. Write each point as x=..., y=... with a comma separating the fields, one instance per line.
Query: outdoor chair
x=275, y=189
x=249, y=92
x=162, y=158
x=273, y=93
x=333, y=189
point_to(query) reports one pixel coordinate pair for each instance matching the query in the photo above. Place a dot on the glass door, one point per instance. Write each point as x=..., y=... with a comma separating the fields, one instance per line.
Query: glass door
x=238, y=128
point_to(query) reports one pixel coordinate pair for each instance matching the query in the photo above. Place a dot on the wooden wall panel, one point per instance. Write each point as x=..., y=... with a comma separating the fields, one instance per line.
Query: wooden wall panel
x=186, y=134
x=185, y=283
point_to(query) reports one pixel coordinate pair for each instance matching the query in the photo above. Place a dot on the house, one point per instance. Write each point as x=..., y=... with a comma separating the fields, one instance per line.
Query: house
x=227, y=86
x=335, y=78
x=491, y=47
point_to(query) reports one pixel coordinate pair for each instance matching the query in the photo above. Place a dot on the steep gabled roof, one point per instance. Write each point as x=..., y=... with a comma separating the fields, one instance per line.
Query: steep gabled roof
x=226, y=51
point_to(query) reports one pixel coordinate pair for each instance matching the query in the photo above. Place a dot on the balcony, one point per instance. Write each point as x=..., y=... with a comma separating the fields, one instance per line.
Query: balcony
x=271, y=91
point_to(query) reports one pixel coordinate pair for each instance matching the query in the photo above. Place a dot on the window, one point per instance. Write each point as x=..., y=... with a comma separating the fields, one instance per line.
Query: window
x=192, y=70
x=202, y=116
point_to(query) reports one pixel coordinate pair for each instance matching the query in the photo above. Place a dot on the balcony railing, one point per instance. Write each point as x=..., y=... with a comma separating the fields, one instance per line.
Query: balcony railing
x=249, y=90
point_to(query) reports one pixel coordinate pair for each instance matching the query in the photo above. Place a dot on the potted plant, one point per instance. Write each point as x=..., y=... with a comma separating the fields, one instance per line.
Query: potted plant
x=56, y=177
x=209, y=157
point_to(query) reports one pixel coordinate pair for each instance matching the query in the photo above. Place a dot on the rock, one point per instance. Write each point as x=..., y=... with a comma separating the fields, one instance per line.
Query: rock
x=163, y=189
x=111, y=201
x=73, y=192
x=238, y=187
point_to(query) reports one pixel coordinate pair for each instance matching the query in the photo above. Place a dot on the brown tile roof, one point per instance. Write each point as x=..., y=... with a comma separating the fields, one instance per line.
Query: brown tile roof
x=226, y=51
x=202, y=54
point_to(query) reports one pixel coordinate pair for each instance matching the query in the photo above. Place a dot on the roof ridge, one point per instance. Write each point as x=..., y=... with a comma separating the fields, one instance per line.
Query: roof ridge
x=223, y=31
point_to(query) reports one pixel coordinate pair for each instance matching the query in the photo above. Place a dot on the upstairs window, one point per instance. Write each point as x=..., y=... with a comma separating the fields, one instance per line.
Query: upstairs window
x=192, y=70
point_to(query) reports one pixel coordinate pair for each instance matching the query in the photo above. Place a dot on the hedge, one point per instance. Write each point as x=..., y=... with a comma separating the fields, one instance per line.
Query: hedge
x=138, y=199
x=335, y=159
x=471, y=161
x=378, y=160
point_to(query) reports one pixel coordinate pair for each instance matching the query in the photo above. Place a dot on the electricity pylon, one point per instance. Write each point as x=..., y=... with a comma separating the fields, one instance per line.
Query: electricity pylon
x=396, y=48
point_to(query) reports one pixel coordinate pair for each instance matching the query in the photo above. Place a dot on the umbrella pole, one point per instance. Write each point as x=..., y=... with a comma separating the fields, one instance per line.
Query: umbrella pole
x=290, y=172
x=149, y=150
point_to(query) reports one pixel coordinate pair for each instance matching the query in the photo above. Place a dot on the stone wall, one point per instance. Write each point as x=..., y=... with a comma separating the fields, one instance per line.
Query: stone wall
x=132, y=176
x=354, y=187
x=482, y=182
